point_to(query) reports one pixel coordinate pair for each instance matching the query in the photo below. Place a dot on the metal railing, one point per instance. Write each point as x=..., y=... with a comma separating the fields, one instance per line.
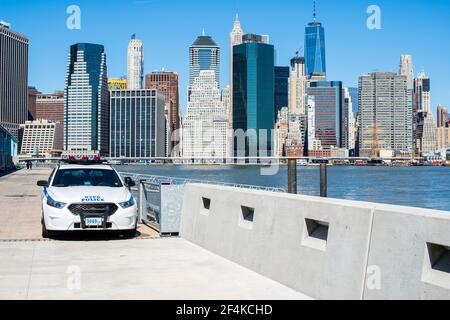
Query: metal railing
x=160, y=199
x=155, y=179
x=150, y=204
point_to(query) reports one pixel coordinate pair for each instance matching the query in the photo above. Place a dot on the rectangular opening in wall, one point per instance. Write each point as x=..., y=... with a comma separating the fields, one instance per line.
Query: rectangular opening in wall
x=439, y=257
x=205, y=206
x=247, y=216
x=206, y=203
x=436, y=269
x=315, y=234
x=247, y=213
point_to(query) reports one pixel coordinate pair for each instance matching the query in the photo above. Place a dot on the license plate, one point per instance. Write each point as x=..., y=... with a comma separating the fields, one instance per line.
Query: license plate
x=93, y=222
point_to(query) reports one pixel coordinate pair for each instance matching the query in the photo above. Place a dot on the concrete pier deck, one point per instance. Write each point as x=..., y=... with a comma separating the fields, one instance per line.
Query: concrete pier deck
x=141, y=268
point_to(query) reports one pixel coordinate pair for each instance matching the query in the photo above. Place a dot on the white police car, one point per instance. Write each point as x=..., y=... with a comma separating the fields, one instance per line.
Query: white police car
x=87, y=195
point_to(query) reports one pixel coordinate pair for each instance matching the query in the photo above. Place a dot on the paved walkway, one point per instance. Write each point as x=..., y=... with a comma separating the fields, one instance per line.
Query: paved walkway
x=168, y=268
x=20, y=213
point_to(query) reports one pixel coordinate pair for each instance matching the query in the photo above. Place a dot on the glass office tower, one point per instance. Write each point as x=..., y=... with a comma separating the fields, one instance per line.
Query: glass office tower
x=137, y=124
x=281, y=88
x=315, y=48
x=253, y=94
x=13, y=79
x=328, y=111
x=86, y=107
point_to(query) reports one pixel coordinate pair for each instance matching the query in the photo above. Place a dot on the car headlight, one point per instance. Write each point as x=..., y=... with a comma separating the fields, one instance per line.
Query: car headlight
x=128, y=203
x=56, y=204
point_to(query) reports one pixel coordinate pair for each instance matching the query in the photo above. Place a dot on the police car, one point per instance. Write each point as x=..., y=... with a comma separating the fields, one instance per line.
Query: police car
x=87, y=194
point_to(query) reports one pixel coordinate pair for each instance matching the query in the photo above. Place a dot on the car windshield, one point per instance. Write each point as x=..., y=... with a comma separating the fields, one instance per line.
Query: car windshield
x=86, y=177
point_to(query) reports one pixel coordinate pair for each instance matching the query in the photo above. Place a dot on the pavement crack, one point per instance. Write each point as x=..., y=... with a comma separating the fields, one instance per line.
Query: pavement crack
x=31, y=271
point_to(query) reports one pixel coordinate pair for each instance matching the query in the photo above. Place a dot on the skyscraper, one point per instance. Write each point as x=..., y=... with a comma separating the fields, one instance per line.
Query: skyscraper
x=384, y=114
x=226, y=100
x=135, y=75
x=204, y=128
x=406, y=69
x=426, y=133
x=235, y=39
x=236, y=35
x=166, y=82
x=354, y=95
x=253, y=93
x=204, y=54
x=348, y=123
x=281, y=87
x=13, y=79
x=315, y=46
x=442, y=138
x=297, y=86
x=328, y=102
x=442, y=116
x=137, y=124
x=426, y=129
x=86, y=106
x=422, y=86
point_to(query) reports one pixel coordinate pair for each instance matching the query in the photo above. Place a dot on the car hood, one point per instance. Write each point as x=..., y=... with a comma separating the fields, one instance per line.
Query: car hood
x=88, y=194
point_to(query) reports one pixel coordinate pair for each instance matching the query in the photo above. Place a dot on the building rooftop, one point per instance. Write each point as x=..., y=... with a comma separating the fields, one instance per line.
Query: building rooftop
x=5, y=24
x=204, y=41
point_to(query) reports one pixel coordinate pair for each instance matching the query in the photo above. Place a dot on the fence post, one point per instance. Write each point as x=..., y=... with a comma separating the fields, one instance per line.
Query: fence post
x=323, y=180
x=292, y=175
x=142, y=200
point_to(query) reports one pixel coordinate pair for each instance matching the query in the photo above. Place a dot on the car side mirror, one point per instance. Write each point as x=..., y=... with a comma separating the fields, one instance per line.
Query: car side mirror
x=42, y=183
x=129, y=182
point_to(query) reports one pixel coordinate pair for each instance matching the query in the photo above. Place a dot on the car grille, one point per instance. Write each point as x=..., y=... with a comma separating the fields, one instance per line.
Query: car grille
x=93, y=209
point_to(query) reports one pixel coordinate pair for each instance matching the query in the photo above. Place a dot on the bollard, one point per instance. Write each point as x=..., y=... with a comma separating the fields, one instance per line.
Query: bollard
x=292, y=176
x=323, y=180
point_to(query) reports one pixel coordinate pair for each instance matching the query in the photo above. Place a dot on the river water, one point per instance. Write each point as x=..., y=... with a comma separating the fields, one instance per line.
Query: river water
x=426, y=187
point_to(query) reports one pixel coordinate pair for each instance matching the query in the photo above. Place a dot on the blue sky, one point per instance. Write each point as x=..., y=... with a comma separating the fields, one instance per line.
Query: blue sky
x=168, y=27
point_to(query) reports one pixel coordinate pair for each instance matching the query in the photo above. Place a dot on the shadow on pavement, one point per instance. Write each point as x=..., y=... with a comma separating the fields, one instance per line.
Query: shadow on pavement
x=92, y=236
x=5, y=173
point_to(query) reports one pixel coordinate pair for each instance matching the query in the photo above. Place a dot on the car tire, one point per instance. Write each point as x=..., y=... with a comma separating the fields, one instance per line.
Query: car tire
x=46, y=234
x=129, y=234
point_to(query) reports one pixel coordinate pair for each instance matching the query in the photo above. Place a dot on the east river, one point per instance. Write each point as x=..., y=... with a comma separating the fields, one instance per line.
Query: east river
x=426, y=187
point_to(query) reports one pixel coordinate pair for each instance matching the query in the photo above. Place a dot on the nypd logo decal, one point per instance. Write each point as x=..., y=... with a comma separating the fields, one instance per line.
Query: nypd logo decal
x=92, y=199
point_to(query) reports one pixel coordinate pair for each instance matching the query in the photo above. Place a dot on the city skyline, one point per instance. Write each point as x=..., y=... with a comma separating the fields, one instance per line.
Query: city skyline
x=172, y=55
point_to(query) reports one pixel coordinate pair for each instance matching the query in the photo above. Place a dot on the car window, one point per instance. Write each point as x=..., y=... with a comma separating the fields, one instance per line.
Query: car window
x=86, y=177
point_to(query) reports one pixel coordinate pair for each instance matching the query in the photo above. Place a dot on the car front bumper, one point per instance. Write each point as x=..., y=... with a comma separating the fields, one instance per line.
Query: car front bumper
x=64, y=220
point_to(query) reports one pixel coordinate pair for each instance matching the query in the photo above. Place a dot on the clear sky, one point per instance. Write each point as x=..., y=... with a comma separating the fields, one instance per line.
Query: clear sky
x=167, y=27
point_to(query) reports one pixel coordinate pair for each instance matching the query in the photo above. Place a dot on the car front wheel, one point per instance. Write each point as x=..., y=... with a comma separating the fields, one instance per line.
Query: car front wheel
x=46, y=234
x=129, y=234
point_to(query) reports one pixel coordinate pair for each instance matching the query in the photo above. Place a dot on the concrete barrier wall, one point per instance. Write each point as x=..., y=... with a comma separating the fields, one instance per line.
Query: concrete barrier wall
x=408, y=248
x=325, y=248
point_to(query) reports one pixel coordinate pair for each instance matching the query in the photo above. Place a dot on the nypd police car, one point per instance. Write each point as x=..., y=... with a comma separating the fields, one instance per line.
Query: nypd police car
x=87, y=195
